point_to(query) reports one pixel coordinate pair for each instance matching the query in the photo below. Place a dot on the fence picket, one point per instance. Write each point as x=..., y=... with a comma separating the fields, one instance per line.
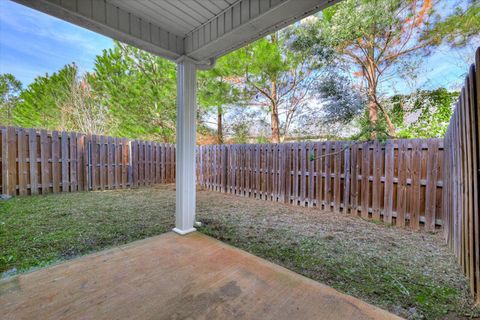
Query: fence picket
x=125, y=152
x=415, y=194
x=319, y=181
x=365, y=179
x=311, y=175
x=45, y=171
x=109, y=163
x=118, y=162
x=22, y=162
x=346, y=182
x=11, y=163
x=328, y=180
x=431, y=189
x=389, y=172
x=337, y=176
x=87, y=161
x=64, y=151
x=402, y=184
x=94, y=162
x=287, y=172
x=377, y=174
x=3, y=130
x=355, y=164
x=32, y=150
x=73, y=162
x=79, y=160
x=56, y=170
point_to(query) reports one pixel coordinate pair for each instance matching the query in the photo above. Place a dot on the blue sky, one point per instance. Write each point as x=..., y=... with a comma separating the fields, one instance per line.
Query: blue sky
x=33, y=43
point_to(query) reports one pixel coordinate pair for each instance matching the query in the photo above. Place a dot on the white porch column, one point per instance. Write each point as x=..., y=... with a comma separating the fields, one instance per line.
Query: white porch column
x=185, y=150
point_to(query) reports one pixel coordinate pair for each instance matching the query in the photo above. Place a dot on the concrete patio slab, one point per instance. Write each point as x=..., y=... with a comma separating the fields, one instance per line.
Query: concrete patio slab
x=175, y=277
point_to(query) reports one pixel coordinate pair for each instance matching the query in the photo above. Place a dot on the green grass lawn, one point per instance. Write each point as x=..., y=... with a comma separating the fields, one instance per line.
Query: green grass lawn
x=409, y=273
x=36, y=231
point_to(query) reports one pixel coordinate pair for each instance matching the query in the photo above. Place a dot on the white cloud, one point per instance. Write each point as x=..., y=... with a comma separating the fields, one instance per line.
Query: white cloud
x=32, y=22
x=33, y=43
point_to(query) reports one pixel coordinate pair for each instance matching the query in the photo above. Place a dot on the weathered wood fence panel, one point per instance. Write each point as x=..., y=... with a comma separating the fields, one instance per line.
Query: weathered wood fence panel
x=399, y=181
x=462, y=183
x=41, y=162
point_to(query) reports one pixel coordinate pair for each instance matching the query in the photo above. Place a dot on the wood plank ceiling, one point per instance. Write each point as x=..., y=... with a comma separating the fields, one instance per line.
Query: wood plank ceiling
x=199, y=29
x=179, y=16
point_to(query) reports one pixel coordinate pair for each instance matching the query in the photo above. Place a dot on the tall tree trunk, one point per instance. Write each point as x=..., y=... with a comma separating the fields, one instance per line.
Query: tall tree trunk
x=371, y=75
x=372, y=115
x=391, y=128
x=219, y=125
x=373, y=109
x=275, y=122
x=373, y=104
x=9, y=114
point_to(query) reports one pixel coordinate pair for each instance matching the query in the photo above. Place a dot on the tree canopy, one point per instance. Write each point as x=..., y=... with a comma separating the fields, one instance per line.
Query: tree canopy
x=460, y=27
x=277, y=80
x=424, y=113
x=320, y=76
x=39, y=104
x=10, y=89
x=371, y=40
x=138, y=89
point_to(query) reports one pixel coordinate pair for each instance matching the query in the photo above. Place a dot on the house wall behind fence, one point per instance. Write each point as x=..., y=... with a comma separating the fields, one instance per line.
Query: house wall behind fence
x=41, y=162
x=398, y=182
x=462, y=183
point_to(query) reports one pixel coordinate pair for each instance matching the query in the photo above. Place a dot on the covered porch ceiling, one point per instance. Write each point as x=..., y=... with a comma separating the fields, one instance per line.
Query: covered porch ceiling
x=198, y=29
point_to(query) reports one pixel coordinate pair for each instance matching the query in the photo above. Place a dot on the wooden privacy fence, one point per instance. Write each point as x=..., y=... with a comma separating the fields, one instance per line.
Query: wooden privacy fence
x=399, y=181
x=462, y=184
x=40, y=162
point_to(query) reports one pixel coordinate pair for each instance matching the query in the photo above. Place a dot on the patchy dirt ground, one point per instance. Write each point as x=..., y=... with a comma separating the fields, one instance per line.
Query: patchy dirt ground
x=409, y=273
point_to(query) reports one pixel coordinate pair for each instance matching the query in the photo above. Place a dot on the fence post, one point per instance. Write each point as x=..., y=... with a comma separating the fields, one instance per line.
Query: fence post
x=9, y=161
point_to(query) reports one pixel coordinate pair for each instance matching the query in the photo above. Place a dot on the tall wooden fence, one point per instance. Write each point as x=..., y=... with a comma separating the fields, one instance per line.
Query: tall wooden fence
x=40, y=162
x=398, y=182
x=462, y=183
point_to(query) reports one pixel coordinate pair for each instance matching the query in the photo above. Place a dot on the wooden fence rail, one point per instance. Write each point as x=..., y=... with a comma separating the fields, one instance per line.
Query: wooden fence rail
x=399, y=182
x=462, y=183
x=40, y=162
